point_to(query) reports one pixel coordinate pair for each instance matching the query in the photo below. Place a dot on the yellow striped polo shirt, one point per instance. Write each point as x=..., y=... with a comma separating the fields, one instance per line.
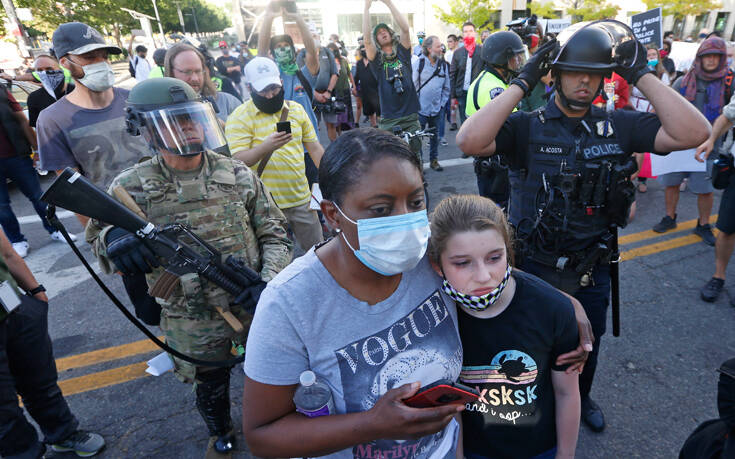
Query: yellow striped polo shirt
x=284, y=176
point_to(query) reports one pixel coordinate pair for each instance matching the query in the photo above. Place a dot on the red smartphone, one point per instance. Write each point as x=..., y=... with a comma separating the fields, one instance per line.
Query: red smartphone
x=442, y=392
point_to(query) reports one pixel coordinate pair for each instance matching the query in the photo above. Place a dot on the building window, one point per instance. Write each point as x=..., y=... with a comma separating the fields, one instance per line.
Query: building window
x=517, y=14
x=699, y=23
x=678, y=27
x=721, y=22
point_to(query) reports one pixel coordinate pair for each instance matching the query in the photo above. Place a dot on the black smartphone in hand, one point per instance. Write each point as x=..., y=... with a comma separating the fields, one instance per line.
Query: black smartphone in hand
x=283, y=126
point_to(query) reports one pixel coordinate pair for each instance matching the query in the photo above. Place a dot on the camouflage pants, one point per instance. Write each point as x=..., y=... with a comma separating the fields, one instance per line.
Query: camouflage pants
x=202, y=338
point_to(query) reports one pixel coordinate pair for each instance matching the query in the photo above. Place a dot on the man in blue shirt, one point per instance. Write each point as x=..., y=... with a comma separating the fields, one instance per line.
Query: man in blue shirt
x=431, y=79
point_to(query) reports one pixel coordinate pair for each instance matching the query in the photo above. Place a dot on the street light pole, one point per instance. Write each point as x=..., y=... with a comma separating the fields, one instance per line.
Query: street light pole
x=196, y=25
x=181, y=17
x=160, y=27
x=24, y=44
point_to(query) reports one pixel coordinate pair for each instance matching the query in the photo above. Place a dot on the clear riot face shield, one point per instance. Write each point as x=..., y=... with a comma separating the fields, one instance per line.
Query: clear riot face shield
x=183, y=129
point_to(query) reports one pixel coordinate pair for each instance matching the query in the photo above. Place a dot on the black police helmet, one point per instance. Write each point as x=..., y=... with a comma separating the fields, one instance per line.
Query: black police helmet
x=588, y=50
x=501, y=46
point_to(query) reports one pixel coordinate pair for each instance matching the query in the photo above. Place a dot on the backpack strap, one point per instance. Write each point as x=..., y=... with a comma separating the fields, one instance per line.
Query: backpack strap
x=266, y=158
x=305, y=83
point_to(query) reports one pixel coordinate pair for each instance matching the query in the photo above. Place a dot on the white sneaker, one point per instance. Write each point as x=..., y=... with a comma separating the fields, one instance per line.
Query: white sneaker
x=57, y=236
x=21, y=248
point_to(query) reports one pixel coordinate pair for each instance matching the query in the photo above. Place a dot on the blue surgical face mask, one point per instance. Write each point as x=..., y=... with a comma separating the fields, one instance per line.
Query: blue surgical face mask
x=653, y=62
x=391, y=245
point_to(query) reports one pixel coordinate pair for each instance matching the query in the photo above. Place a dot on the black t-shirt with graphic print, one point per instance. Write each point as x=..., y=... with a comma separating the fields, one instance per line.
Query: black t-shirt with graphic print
x=508, y=359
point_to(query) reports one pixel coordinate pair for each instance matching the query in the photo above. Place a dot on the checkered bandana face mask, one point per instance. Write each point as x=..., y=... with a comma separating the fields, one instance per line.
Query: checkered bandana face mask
x=477, y=303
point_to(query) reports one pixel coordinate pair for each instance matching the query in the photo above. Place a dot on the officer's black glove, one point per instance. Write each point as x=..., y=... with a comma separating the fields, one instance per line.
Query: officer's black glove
x=129, y=254
x=249, y=297
x=538, y=65
x=632, y=66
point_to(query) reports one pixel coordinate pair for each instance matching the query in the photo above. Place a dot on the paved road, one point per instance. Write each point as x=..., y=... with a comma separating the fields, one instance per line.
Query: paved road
x=656, y=382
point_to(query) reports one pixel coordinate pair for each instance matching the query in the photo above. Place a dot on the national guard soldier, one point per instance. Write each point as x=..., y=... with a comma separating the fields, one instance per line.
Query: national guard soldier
x=503, y=55
x=570, y=163
x=225, y=204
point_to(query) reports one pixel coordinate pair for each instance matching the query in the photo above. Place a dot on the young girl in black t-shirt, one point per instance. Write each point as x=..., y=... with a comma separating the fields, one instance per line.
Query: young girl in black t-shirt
x=513, y=327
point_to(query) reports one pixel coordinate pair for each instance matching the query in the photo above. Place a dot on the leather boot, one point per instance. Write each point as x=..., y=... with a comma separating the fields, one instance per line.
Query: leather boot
x=213, y=403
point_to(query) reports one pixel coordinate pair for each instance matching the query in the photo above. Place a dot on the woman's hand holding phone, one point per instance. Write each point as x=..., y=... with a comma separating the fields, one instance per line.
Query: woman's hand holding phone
x=393, y=419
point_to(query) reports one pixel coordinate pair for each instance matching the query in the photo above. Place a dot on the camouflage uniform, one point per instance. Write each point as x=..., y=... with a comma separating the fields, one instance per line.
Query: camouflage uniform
x=228, y=207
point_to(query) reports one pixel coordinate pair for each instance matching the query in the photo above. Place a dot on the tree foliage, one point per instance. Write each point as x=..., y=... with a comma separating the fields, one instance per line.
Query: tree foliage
x=590, y=10
x=545, y=10
x=460, y=11
x=682, y=8
x=106, y=15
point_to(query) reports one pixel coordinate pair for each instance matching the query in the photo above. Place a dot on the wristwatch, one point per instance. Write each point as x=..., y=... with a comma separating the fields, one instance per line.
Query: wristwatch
x=37, y=290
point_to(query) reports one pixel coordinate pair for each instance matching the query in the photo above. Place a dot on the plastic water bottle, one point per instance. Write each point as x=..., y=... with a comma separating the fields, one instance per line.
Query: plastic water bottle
x=313, y=397
x=610, y=93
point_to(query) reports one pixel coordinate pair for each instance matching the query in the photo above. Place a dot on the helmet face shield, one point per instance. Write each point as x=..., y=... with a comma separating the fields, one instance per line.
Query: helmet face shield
x=516, y=62
x=183, y=129
x=617, y=33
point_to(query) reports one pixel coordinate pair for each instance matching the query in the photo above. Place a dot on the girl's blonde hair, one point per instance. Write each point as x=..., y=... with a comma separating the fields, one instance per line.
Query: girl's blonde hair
x=466, y=212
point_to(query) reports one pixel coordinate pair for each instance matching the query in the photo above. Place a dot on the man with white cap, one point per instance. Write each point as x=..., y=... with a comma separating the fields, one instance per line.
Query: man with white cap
x=270, y=134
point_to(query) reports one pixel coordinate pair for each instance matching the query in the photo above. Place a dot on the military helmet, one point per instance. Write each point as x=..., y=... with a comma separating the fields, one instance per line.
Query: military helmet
x=173, y=117
x=590, y=49
x=500, y=47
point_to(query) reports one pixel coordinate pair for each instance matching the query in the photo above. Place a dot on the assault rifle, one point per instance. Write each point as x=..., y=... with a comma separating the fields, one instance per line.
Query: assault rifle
x=74, y=192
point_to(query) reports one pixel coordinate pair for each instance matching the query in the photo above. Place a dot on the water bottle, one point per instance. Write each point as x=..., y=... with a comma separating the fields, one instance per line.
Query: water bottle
x=313, y=397
x=610, y=93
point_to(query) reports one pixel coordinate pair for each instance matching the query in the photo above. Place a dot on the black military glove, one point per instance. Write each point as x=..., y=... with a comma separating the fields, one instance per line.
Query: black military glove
x=632, y=66
x=538, y=65
x=129, y=254
x=249, y=297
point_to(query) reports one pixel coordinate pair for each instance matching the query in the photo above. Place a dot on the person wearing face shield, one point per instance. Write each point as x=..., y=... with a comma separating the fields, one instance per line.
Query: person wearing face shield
x=503, y=54
x=224, y=203
x=570, y=164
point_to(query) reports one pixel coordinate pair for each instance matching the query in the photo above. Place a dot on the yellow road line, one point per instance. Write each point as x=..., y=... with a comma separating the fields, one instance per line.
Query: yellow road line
x=106, y=354
x=661, y=246
x=649, y=234
x=102, y=379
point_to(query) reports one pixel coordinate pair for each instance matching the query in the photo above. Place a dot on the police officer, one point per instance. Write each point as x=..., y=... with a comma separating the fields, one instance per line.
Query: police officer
x=224, y=203
x=503, y=55
x=569, y=164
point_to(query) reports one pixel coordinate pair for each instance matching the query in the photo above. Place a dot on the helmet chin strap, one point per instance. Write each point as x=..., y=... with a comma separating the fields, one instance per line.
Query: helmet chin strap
x=571, y=104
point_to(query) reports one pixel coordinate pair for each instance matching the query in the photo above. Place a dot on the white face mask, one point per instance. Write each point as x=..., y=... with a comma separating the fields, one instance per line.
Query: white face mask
x=391, y=245
x=98, y=77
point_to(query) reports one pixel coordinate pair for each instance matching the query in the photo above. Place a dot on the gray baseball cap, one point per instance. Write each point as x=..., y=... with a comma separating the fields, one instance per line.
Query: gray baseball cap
x=79, y=38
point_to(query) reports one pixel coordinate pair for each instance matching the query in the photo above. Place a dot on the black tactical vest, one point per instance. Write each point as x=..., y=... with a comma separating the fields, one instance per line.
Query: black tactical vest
x=566, y=180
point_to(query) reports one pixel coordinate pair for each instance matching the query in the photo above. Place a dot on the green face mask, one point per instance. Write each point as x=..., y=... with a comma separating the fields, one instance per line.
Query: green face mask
x=285, y=59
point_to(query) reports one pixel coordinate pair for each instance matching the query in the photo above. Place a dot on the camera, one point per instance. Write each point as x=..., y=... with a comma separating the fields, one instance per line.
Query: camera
x=331, y=106
x=394, y=77
x=525, y=27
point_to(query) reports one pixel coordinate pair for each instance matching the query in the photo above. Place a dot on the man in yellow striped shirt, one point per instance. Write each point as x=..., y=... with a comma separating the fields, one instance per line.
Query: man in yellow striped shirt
x=278, y=157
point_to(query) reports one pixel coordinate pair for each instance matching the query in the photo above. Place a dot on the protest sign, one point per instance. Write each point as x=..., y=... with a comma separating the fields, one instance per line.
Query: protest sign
x=647, y=27
x=676, y=161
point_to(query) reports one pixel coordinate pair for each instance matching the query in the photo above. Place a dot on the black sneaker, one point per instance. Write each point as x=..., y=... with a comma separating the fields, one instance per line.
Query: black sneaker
x=667, y=223
x=592, y=415
x=705, y=232
x=712, y=289
x=453, y=127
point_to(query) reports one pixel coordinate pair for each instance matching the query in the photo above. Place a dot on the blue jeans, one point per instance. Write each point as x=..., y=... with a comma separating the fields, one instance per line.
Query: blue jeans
x=433, y=122
x=20, y=170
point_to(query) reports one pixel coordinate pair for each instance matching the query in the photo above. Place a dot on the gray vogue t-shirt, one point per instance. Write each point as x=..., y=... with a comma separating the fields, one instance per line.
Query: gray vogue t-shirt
x=94, y=141
x=306, y=321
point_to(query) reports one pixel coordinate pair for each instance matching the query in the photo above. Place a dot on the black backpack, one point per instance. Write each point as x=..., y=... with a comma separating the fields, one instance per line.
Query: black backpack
x=131, y=66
